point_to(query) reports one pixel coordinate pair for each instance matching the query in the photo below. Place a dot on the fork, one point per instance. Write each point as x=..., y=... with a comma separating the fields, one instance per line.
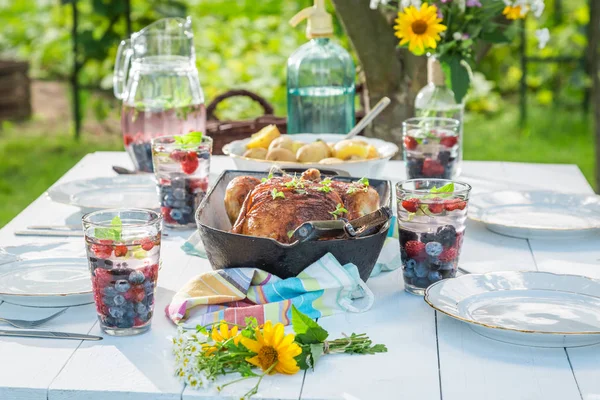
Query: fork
x=19, y=323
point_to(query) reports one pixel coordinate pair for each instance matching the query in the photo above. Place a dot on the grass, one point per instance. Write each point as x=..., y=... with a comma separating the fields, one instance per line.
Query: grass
x=32, y=161
x=30, y=164
x=552, y=135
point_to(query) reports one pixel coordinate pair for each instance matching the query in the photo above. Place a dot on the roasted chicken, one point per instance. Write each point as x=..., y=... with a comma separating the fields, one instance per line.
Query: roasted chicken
x=276, y=207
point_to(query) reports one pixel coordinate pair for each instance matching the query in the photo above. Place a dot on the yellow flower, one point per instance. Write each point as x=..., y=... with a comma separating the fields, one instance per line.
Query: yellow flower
x=272, y=346
x=514, y=12
x=224, y=333
x=221, y=335
x=420, y=28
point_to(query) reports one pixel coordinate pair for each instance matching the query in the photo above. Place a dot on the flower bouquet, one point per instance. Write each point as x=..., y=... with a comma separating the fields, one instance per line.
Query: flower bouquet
x=450, y=30
x=202, y=356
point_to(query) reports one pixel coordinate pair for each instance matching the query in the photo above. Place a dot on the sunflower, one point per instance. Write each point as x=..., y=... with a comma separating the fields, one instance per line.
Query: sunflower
x=514, y=12
x=420, y=28
x=221, y=335
x=273, y=347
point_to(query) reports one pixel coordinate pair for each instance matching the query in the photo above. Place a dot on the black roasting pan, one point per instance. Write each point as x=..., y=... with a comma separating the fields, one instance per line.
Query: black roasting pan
x=229, y=250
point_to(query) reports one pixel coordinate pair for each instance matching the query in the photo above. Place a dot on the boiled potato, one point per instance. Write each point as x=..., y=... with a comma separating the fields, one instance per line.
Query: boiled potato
x=348, y=148
x=313, y=152
x=264, y=137
x=325, y=147
x=282, y=142
x=331, y=160
x=259, y=153
x=373, y=153
x=280, y=155
x=296, y=146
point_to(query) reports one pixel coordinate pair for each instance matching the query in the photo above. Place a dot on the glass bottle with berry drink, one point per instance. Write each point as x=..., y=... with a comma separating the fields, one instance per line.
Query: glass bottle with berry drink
x=431, y=226
x=123, y=250
x=181, y=166
x=156, y=77
x=431, y=147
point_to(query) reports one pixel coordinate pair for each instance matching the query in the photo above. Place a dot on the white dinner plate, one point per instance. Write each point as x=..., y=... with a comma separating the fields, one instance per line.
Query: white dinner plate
x=532, y=308
x=123, y=191
x=537, y=214
x=46, y=282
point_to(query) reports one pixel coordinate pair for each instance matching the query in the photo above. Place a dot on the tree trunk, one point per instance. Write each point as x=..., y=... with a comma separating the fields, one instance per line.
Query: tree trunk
x=388, y=71
x=593, y=61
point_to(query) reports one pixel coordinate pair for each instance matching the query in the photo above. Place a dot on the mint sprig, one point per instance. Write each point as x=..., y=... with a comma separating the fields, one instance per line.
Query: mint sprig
x=339, y=210
x=113, y=233
x=189, y=139
x=277, y=194
x=325, y=185
x=263, y=180
x=443, y=192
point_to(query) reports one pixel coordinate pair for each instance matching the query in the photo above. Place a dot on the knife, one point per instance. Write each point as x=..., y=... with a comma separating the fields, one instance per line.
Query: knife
x=56, y=227
x=48, y=334
x=48, y=232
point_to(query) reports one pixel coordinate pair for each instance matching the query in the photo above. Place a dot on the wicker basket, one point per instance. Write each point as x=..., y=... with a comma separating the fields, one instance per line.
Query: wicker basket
x=223, y=132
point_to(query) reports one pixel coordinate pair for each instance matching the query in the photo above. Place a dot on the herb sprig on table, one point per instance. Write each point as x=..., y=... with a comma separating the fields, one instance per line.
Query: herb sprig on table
x=255, y=351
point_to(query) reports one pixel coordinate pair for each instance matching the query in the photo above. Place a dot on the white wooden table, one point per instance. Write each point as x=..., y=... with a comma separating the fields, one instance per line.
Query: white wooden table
x=430, y=355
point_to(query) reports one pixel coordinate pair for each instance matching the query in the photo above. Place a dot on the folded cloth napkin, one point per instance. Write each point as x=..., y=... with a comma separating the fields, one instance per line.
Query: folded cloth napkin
x=324, y=288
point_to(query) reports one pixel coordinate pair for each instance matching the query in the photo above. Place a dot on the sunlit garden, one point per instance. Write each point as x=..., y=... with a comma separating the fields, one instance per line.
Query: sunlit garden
x=310, y=199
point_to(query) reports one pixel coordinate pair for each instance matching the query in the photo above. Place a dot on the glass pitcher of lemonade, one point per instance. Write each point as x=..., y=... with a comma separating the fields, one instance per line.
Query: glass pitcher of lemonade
x=157, y=80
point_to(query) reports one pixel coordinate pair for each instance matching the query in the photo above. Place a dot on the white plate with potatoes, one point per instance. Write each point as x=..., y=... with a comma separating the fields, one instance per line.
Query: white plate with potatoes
x=359, y=156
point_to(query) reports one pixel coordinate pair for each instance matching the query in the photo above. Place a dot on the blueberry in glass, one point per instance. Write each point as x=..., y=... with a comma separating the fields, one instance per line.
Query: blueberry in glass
x=431, y=147
x=123, y=250
x=431, y=225
x=181, y=166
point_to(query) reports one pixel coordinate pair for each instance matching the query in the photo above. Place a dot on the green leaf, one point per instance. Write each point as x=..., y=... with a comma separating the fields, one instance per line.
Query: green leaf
x=303, y=359
x=191, y=138
x=306, y=329
x=277, y=194
x=459, y=78
x=202, y=330
x=447, y=188
x=316, y=351
x=251, y=322
x=339, y=210
x=113, y=233
x=364, y=181
x=263, y=180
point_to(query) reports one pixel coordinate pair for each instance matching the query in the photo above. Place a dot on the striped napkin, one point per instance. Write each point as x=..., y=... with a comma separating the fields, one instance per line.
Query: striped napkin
x=326, y=287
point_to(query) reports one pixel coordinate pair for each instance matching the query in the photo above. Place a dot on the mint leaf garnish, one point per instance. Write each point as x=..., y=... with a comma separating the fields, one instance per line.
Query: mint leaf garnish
x=113, y=233
x=189, y=139
x=364, y=181
x=442, y=192
x=447, y=188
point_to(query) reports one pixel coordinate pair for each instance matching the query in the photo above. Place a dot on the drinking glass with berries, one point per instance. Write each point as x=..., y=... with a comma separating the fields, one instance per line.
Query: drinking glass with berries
x=181, y=166
x=123, y=250
x=431, y=147
x=431, y=226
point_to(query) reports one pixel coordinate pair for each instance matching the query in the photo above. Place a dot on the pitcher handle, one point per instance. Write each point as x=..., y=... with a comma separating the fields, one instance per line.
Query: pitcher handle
x=121, y=67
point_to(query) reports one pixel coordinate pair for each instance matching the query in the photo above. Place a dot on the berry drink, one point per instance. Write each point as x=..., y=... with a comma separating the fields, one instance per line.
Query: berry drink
x=431, y=227
x=140, y=126
x=431, y=147
x=182, y=166
x=123, y=250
